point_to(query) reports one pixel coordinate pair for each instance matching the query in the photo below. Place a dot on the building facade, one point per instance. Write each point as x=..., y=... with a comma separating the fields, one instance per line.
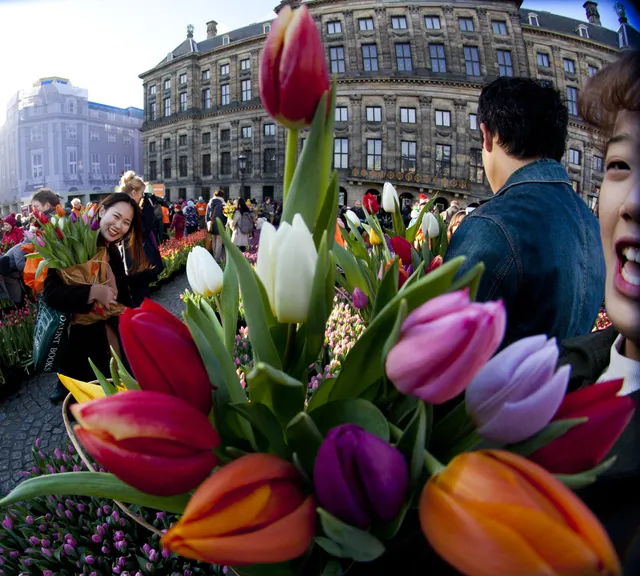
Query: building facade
x=409, y=76
x=55, y=137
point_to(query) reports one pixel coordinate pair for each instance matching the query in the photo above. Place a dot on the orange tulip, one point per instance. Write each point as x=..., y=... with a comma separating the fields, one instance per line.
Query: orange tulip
x=494, y=513
x=251, y=511
x=60, y=211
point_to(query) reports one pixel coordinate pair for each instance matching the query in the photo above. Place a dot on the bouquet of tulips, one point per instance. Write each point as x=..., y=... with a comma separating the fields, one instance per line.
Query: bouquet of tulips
x=16, y=335
x=229, y=210
x=69, y=244
x=268, y=481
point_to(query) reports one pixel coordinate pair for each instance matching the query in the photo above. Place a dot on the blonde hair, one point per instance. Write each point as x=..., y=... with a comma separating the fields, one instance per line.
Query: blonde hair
x=456, y=219
x=130, y=183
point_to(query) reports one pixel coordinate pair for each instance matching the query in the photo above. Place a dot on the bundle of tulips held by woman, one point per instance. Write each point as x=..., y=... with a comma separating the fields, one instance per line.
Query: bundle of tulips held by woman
x=268, y=482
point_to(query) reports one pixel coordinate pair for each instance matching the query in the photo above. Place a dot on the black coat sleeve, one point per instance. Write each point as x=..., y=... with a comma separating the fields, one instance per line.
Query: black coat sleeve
x=148, y=218
x=65, y=298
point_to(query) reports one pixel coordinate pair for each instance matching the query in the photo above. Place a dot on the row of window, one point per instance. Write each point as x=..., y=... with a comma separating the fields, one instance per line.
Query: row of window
x=225, y=136
x=37, y=163
x=466, y=24
x=575, y=158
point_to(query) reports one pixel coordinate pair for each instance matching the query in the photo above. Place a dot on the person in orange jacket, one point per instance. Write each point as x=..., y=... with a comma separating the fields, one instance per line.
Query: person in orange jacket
x=166, y=221
x=201, y=207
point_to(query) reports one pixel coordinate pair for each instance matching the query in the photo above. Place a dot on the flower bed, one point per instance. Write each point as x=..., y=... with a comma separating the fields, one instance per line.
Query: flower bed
x=64, y=536
x=174, y=252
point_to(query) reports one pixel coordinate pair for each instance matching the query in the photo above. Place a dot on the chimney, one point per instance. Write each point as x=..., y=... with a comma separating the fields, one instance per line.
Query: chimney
x=212, y=29
x=592, y=12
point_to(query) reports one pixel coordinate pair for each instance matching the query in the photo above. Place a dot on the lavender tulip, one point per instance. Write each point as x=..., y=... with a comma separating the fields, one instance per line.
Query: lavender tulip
x=74, y=217
x=95, y=224
x=360, y=299
x=517, y=393
x=443, y=344
x=360, y=478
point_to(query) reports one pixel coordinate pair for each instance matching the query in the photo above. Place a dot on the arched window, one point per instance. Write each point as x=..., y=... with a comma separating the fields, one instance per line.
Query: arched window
x=583, y=31
x=533, y=19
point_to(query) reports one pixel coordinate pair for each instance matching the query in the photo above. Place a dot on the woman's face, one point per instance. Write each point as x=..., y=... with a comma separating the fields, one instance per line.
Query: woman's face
x=7, y=227
x=115, y=221
x=619, y=213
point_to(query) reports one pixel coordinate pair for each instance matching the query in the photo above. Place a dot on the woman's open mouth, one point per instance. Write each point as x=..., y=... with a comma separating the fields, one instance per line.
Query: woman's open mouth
x=627, y=279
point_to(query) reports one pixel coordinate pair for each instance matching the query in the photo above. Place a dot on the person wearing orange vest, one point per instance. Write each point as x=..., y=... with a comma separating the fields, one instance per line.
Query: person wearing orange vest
x=166, y=221
x=201, y=207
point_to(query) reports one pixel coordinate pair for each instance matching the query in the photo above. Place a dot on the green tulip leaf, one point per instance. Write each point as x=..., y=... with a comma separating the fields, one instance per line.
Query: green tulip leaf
x=281, y=569
x=354, y=543
x=283, y=395
x=230, y=302
x=321, y=303
x=545, y=436
x=333, y=568
x=308, y=184
x=364, y=363
x=427, y=255
x=263, y=420
x=321, y=394
x=126, y=379
x=328, y=146
x=398, y=224
x=108, y=387
x=404, y=406
x=211, y=318
x=396, y=331
x=304, y=440
x=352, y=272
x=390, y=529
x=412, y=231
x=471, y=279
x=328, y=216
x=351, y=411
x=115, y=378
x=262, y=344
x=388, y=288
x=95, y=485
x=584, y=479
x=412, y=443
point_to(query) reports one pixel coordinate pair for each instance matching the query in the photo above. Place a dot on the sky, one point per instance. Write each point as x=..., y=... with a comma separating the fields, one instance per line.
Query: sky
x=104, y=45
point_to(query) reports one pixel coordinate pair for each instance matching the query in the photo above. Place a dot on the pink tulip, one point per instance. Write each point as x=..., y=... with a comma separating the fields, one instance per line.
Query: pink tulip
x=293, y=69
x=154, y=442
x=443, y=345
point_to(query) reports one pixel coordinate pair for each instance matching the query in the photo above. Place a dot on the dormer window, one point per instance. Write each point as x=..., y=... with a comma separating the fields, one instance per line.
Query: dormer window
x=533, y=20
x=266, y=28
x=583, y=31
x=226, y=40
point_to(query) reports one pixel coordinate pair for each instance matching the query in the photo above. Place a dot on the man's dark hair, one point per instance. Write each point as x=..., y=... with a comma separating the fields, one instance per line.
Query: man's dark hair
x=46, y=196
x=529, y=117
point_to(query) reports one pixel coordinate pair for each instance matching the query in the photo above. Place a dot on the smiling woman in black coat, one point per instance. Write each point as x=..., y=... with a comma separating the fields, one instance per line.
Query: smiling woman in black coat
x=119, y=221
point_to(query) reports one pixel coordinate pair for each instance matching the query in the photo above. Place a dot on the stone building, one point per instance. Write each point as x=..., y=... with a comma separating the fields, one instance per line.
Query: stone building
x=409, y=76
x=55, y=137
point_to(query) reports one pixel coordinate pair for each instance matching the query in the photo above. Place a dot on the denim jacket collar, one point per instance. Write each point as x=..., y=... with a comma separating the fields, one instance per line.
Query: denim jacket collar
x=544, y=171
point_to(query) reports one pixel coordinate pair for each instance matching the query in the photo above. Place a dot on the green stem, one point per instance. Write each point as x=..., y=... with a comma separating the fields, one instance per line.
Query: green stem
x=290, y=161
x=290, y=349
x=431, y=465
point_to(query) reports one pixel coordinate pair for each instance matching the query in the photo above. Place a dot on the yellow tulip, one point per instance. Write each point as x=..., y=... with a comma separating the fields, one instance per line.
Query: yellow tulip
x=83, y=391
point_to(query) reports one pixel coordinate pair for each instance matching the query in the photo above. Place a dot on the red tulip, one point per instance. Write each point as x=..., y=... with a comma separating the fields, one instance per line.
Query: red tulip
x=156, y=443
x=371, y=204
x=585, y=446
x=59, y=233
x=402, y=248
x=293, y=69
x=435, y=263
x=163, y=355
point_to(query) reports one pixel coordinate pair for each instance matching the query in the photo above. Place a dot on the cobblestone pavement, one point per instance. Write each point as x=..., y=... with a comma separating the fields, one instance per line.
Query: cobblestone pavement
x=27, y=414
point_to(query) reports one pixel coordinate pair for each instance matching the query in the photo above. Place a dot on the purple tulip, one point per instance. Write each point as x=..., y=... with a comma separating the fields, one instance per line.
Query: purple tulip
x=517, y=393
x=74, y=217
x=360, y=478
x=47, y=573
x=8, y=522
x=29, y=519
x=89, y=559
x=360, y=299
x=95, y=224
x=443, y=344
x=40, y=242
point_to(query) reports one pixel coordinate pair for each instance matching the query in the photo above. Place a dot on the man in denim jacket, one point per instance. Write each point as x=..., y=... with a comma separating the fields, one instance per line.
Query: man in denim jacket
x=539, y=241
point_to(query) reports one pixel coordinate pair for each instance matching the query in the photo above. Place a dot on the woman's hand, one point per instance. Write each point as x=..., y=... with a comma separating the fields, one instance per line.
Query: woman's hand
x=103, y=295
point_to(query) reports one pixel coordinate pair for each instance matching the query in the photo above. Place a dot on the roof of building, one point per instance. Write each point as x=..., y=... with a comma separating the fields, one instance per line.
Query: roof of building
x=565, y=25
x=131, y=111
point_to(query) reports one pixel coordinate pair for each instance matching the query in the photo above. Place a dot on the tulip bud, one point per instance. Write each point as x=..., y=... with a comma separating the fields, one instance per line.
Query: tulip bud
x=374, y=239
x=443, y=344
x=359, y=478
x=370, y=203
x=517, y=392
x=92, y=211
x=494, y=512
x=143, y=438
x=59, y=233
x=353, y=218
x=402, y=248
x=203, y=272
x=251, y=511
x=585, y=446
x=293, y=69
x=60, y=211
x=82, y=391
x=74, y=217
x=359, y=298
x=435, y=263
x=163, y=356
x=390, y=201
x=43, y=218
x=430, y=226
x=95, y=224
x=40, y=241
x=286, y=266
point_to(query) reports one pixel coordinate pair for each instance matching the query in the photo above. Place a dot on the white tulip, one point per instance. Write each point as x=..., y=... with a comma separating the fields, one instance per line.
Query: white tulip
x=203, y=272
x=390, y=199
x=351, y=215
x=430, y=226
x=286, y=266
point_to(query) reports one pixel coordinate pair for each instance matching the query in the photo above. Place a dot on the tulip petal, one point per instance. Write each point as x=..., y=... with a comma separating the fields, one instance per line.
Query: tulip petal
x=265, y=263
x=473, y=543
x=517, y=421
x=81, y=391
x=192, y=276
x=402, y=248
x=437, y=308
x=389, y=198
x=585, y=398
x=280, y=541
x=582, y=519
x=157, y=475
